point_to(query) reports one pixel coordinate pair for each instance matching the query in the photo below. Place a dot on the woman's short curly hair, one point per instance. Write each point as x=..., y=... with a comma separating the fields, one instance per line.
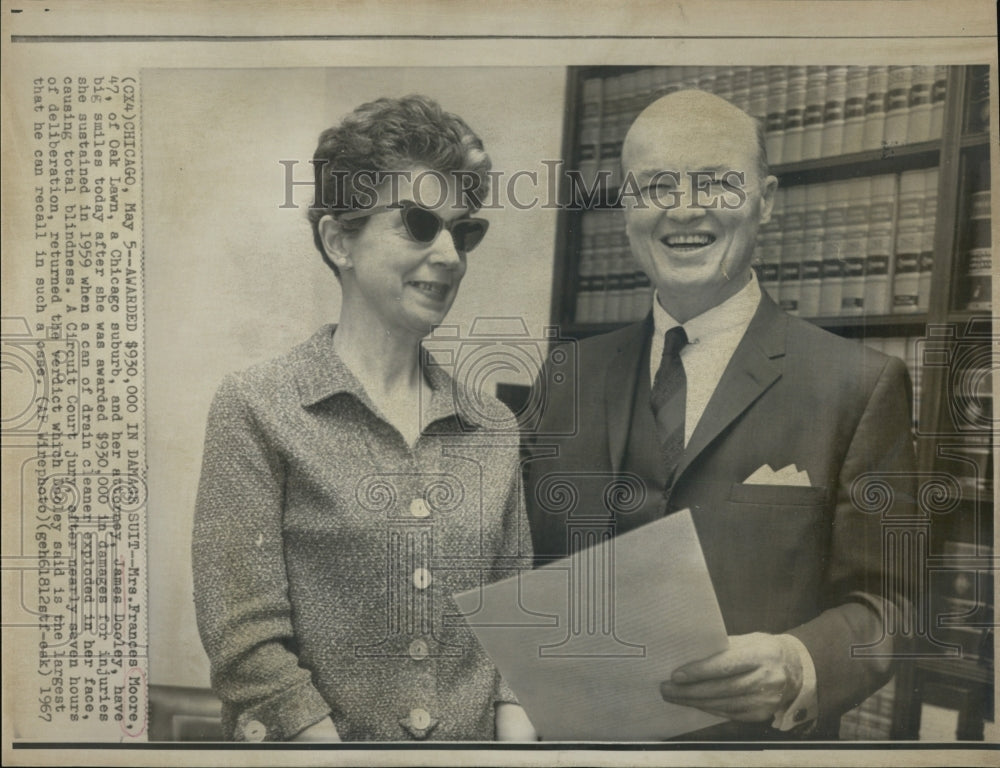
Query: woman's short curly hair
x=389, y=135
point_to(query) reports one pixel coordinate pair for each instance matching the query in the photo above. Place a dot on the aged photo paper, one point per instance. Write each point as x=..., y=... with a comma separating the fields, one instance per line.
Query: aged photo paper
x=156, y=238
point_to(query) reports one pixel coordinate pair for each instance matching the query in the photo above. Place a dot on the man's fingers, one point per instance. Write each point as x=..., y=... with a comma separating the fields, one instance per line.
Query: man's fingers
x=747, y=711
x=745, y=682
x=730, y=706
x=725, y=664
x=745, y=652
x=738, y=685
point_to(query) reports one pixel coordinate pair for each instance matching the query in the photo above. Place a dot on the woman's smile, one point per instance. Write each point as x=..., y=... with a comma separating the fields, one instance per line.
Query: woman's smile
x=432, y=289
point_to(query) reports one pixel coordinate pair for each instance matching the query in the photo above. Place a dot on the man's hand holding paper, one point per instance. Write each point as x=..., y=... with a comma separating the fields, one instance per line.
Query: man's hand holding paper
x=758, y=676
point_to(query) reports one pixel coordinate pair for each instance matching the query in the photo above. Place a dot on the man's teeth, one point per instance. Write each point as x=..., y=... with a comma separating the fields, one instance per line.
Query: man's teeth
x=698, y=240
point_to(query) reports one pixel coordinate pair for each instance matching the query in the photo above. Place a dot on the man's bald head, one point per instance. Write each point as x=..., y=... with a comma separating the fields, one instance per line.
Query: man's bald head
x=685, y=115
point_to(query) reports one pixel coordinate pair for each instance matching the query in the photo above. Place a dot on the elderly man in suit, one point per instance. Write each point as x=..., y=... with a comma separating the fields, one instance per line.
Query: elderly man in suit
x=758, y=422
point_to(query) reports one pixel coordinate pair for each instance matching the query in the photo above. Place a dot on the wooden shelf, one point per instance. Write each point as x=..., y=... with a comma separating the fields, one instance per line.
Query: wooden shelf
x=853, y=327
x=874, y=325
x=969, y=496
x=850, y=326
x=975, y=140
x=855, y=165
x=965, y=669
x=859, y=164
x=966, y=315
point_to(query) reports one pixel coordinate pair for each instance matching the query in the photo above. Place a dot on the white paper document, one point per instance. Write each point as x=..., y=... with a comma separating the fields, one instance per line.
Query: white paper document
x=586, y=641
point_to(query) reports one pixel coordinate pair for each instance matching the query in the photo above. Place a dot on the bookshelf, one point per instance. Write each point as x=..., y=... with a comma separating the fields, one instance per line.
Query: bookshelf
x=880, y=233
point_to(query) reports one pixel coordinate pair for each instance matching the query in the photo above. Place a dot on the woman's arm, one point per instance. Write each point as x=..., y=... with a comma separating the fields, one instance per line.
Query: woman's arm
x=240, y=586
x=515, y=555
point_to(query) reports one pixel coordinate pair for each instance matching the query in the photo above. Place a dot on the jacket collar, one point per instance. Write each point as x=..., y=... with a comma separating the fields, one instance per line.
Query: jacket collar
x=619, y=385
x=755, y=365
x=320, y=373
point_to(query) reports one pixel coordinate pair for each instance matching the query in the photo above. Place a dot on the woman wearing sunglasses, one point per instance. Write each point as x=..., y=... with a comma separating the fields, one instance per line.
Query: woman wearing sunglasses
x=347, y=489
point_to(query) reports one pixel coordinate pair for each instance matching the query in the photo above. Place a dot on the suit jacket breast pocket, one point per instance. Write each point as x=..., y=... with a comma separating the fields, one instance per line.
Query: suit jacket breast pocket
x=777, y=495
x=767, y=553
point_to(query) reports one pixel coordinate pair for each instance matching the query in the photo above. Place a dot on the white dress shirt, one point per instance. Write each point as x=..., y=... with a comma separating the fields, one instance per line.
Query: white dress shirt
x=712, y=339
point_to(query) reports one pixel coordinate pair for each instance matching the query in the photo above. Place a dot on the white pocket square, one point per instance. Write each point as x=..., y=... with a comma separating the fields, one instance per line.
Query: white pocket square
x=790, y=475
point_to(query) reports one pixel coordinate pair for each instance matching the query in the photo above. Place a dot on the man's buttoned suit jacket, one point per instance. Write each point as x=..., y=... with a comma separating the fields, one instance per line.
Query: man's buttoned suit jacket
x=806, y=560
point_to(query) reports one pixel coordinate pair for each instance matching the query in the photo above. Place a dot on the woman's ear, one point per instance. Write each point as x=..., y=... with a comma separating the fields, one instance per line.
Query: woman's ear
x=335, y=242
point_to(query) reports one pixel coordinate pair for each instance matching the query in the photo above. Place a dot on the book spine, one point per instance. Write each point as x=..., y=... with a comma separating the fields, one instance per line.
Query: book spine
x=879, y=247
x=854, y=109
x=584, y=299
x=939, y=91
x=927, y=239
x=979, y=97
x=613, y=298
x=906, y=280
x=918, y=123
x=723, y=85
x=855, y=242
x=897, y=105
x=979, y=260
x=812, y=250
x=792, y=242
x=909, y=239
x=644, y=295
x=878, y=85
x=832, y=274
x=832, y=142
x=812, y=114
x=741, y=88
x=758, y=94
x=812, y=272
x=621, y=129
x=790, y=271
x=767, y=250
x=791, y=151
x=770, y=262
x=852, y=300
x=644, y=93
x=878, y=258
x=913, y=360
x=590, y=130
x=777, y=105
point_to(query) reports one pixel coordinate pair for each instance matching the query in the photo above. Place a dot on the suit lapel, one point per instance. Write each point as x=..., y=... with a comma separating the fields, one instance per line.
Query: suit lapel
x=756, y=364
x=619, y=388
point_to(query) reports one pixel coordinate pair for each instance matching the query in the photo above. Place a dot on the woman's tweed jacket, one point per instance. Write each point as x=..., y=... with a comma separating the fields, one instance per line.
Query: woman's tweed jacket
x=326, y=552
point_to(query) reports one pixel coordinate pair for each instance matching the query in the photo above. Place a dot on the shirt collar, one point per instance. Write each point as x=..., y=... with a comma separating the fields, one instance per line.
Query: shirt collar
x=320, y=373
x=735, y=311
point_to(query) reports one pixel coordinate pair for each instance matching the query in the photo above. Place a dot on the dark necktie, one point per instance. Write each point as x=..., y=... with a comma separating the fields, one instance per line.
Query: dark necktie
x=669, y=398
